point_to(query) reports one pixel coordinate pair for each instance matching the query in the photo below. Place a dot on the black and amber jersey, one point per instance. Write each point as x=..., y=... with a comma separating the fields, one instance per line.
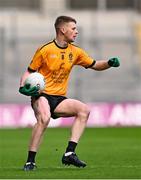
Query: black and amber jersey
x=55, y=63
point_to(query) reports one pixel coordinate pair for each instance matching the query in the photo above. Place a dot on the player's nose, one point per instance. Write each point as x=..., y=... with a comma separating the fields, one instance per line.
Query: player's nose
x=76, y=31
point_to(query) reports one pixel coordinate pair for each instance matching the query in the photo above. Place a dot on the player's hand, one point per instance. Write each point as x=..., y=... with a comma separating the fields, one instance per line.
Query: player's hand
x=29, y=91
x=114, y=62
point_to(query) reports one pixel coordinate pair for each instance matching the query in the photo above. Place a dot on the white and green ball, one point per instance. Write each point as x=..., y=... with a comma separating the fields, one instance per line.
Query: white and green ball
x=36, y=79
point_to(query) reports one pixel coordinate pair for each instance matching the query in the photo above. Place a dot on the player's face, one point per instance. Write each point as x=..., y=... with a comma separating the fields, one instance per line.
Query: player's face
x=70, y=32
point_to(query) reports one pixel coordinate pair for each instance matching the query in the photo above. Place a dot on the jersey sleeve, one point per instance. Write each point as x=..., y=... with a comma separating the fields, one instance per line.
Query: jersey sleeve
x=83, y=59
x=36, y=62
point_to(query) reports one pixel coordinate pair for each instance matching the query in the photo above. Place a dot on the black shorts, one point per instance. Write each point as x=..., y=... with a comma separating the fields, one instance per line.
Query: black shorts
x=53, y=101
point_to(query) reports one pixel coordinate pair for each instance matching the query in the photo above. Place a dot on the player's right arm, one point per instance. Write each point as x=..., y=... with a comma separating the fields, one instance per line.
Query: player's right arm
x=25, y=89
x=23, y=78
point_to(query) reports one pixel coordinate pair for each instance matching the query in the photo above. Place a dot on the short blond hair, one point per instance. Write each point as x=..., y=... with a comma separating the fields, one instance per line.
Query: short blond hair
x=61, y=20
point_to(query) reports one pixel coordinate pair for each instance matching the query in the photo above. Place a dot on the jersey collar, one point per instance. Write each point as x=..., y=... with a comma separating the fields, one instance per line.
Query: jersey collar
x=59, y=46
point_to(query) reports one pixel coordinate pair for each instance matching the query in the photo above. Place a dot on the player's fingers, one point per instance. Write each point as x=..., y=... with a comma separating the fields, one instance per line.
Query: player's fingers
x=34, y=89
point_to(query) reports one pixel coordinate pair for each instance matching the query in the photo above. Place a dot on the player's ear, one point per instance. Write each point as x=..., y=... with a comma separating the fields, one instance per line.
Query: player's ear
x=63, y=30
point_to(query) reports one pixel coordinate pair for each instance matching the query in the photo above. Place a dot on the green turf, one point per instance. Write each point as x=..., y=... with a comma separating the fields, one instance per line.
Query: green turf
x=110, y=153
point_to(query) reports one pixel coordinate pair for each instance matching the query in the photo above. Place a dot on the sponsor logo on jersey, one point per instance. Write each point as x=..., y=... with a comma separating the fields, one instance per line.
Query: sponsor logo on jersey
x=53, y=56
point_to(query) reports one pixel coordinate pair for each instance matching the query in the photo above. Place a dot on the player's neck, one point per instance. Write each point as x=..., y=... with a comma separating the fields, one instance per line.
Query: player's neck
x=61, y=42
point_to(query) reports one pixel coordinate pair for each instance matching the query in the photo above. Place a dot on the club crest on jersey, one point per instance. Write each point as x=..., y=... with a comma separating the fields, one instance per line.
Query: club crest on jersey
x=70, y=57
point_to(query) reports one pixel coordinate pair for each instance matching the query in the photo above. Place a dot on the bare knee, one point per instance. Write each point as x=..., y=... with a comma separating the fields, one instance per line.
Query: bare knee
x=43, y=119
x=42, y=112
x=84, y=113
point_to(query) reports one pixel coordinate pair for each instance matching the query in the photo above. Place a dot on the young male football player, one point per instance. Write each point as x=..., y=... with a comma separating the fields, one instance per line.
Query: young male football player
x=55, y=61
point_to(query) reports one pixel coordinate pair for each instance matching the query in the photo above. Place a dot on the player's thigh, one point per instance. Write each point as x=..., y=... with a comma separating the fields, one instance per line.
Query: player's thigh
x=41, y=107
x=71, y=107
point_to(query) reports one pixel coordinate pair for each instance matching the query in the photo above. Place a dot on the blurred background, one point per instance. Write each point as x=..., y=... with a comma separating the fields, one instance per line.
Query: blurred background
x=107, y=28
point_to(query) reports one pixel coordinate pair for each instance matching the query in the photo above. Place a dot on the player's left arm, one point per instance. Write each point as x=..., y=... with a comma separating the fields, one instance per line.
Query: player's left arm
x=104, y=64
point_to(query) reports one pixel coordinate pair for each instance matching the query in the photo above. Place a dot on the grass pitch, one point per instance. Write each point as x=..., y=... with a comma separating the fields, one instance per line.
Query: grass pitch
x=110, y=153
